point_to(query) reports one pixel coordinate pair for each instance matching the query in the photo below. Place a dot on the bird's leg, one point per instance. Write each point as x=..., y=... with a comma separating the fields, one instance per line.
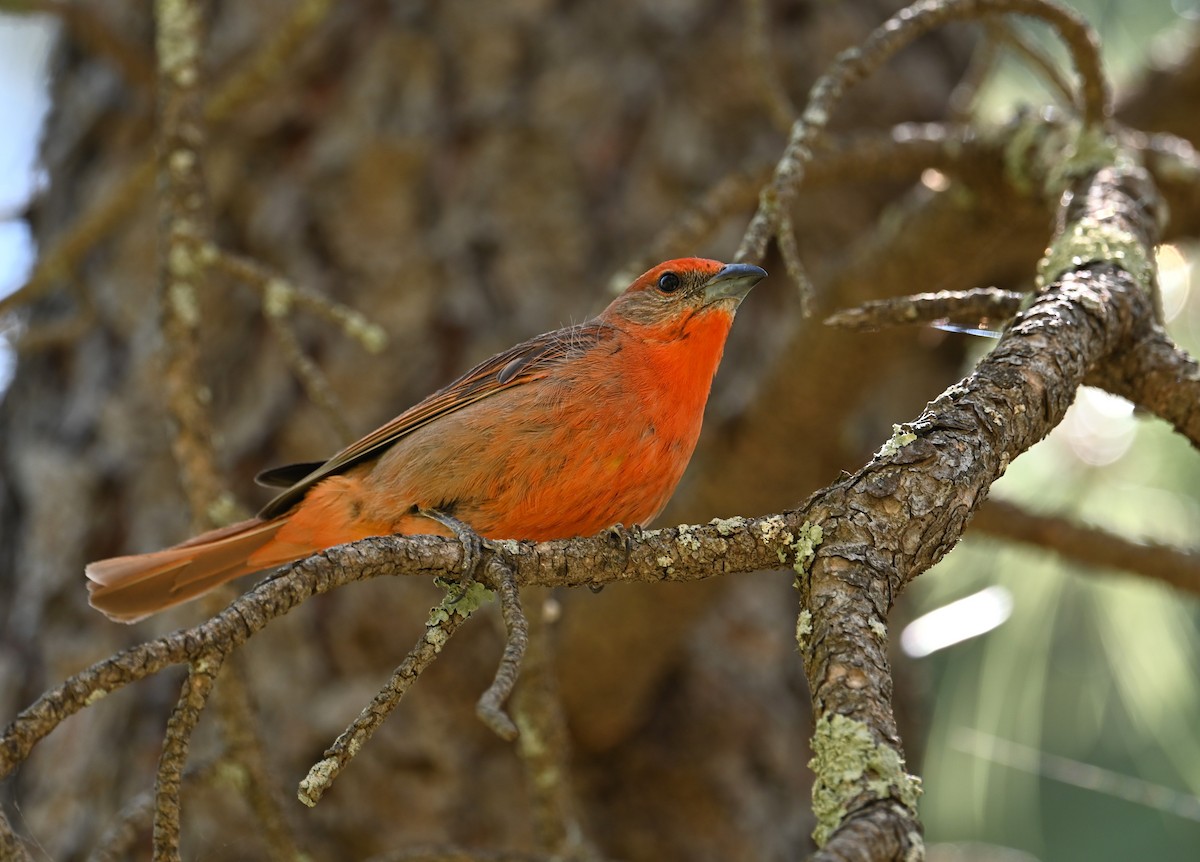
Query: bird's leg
x=516, y=627
x=472, y=542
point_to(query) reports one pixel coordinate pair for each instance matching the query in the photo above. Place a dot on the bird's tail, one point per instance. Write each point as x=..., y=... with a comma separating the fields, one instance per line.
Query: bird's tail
x=128, y=589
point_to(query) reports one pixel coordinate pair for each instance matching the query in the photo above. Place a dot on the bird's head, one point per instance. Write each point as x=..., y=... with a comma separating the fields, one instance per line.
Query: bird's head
x=674, y=294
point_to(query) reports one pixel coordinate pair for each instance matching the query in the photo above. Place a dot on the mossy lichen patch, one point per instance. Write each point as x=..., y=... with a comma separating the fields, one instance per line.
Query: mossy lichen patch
x=848, y=763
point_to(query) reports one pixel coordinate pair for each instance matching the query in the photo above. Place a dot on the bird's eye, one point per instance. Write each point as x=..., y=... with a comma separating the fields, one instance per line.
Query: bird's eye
x=668, y=282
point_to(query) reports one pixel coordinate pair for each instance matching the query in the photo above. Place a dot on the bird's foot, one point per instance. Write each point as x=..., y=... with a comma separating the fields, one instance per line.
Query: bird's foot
x=472, y=542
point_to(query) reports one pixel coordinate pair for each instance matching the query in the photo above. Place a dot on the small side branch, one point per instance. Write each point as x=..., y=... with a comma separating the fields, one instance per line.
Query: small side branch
x=182, y=233
x=758, y=43
x=1089, y=546
x=967, y=307
x=855, y=64
x=544, y=743
x=11, y=847
x=1159, y=376
x=444, y=620
x=136, y=817
x=202, y=675
x=244, y=752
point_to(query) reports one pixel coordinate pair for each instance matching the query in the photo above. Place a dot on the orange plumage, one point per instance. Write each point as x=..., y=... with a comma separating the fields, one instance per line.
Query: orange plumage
x=563, y=435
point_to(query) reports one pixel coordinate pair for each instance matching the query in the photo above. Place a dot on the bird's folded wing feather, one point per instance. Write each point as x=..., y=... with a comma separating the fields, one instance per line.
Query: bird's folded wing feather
x=528, y=361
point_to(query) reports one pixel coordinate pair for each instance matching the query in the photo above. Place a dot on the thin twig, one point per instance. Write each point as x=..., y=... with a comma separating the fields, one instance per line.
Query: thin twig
x=239, y=728
x=1089, y=546
x=490, y=707
x=957, y=306
x=202, y=675
x=444, y=620
x=59, y=260
x=960, y=105
x=316, y=385
x=854, y=64
x=182, y=233
x=544, y=743
x=270, y=62
x=11, y=847
x=785, y=241
x=1010, y=36
x=137, y=815
x=280, y=296
x=758, y=43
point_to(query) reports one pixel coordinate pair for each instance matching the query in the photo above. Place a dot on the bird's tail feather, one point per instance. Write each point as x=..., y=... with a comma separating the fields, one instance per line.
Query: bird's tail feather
x=131, y=588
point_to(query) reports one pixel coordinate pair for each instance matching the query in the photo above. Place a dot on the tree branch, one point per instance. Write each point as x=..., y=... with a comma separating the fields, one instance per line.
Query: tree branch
x=460, y=602
x=1089, y=546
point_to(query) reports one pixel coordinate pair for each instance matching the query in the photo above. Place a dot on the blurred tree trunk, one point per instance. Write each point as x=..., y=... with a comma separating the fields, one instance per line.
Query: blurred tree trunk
x=466, y=175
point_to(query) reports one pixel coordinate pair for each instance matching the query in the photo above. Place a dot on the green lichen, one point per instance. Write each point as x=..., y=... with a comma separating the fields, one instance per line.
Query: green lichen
x=224, y=509
x=1045, y=158
x=278, y=297
x=879, y=629
x=1087, y=151
x=728, y=526
x=899, y=439
x=804, y=549
x=182, y=297
x=848, y=763
x=1090, y=240
x=177, y=41
x=97, y=695
x=370, y=335
x=774, y=531
x=803, y=630
x=461, y=599
x=686, y=537
x=1027, y=135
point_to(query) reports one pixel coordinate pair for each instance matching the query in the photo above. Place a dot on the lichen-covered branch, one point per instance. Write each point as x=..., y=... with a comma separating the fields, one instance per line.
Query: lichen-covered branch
x=183, y=230
x=11, y=847
x=202, y=675
x=461, y=601
x=894, y=519
x=57, y=262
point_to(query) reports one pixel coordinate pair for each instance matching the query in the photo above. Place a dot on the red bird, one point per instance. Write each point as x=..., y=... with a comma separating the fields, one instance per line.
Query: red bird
x=563, y=435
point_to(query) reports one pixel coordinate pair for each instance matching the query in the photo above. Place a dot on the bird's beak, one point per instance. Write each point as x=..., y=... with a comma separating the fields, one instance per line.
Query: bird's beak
x=733, y=282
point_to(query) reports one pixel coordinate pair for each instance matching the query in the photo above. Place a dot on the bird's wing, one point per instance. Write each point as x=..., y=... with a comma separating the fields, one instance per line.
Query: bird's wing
x=528, y=361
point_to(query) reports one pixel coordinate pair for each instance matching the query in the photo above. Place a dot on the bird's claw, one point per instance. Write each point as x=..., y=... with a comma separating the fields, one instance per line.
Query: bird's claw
x=472, y=543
